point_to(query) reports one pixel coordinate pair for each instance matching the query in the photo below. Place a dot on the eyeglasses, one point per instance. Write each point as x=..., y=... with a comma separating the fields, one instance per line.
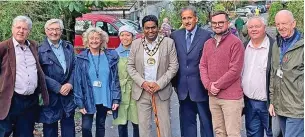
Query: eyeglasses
x=220, y=23
x=255, y=26
x=52, y=29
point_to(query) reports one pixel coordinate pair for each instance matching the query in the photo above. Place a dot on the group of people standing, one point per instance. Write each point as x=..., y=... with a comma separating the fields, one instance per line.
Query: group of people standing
x=215, y=76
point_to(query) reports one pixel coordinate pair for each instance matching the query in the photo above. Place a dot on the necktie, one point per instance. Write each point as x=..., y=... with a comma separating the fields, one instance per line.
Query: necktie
x=188, y=41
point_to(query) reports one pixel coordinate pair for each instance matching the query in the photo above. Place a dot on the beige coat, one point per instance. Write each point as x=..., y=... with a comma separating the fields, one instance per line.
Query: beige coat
x=167, y=67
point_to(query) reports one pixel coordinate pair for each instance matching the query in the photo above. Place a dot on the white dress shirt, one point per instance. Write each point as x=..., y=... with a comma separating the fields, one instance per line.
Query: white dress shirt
x=254, y=71
x=26, y=70
x=150, y=71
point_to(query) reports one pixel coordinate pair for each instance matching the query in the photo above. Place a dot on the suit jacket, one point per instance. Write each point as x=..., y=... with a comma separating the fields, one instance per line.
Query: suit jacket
x=55, y=78
x=187, y=81
x=8, y=75
x=167, y=67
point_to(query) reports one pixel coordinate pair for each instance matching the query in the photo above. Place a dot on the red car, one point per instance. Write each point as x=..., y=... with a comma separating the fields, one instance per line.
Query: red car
x=109, y=24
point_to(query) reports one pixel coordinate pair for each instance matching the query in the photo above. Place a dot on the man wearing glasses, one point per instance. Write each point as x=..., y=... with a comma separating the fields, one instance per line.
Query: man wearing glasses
x=56, y=57
x=220, y=70
x=287, y=76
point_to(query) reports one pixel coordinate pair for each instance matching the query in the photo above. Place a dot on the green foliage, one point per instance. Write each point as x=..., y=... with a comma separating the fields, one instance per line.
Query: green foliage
x=297, y=9
x=274, y=8
x=219, y=7
x=174, y=15
x=41, y=11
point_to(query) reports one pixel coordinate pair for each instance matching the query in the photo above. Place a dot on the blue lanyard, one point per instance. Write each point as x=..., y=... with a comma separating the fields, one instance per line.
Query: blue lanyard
x=283, y=50
x=96, y=67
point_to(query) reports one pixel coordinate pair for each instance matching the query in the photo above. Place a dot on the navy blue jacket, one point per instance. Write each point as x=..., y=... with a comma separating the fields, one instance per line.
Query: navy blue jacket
x=83, y=88
x=55, y=78
x=187, y=81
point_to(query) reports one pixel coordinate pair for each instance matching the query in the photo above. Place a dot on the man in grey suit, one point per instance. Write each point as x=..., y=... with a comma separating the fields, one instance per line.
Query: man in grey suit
x=152, y=64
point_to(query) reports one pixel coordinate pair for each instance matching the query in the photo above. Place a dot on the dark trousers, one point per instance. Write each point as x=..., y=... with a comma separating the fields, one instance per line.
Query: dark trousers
x=87, y=120
x=257, y=118
x=189, y=110
x=123, y=130
x=67, y=126
x=292, y=127
x=21, y=117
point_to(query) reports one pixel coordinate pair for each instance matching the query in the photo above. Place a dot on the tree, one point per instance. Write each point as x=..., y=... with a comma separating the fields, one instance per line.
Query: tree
x=219, y=7
x=174, y=14
x=296, y=7
x=274, y=8
x=37, y=11
x=41, y=11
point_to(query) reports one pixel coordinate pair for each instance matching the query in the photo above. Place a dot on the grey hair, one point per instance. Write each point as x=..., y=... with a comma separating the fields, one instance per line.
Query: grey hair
x=261, y=19
x=104, y=36
x=286, y=12
x=191, y=8
x=51, y=21
x=25, y=19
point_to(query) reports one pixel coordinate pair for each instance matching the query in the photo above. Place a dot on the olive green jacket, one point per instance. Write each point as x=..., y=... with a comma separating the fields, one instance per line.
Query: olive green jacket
x=287, y=93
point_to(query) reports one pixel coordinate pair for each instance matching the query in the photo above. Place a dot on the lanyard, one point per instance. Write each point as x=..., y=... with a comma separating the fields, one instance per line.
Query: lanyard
x=283, y=50
x=98, y=64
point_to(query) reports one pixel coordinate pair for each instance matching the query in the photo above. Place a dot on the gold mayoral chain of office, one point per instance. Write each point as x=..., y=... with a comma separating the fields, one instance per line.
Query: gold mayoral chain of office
x=151, y=61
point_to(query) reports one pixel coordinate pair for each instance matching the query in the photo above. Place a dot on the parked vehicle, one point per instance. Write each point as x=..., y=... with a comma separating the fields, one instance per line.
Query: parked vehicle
x=243, y=11
x=109, y=24
x=252, y=8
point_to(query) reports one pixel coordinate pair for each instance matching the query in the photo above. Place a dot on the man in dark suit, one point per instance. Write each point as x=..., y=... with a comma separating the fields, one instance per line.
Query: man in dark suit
x=21, y=81
x=192, y=95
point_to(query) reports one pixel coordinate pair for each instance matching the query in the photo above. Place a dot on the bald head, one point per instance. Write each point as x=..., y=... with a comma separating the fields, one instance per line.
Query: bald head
x=285, y=23
x=285, y=13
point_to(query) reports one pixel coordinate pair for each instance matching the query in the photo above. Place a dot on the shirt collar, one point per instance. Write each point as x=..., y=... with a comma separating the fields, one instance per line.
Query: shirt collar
x=193, y=31
x=262, y=45
x=121, y=48
x=52, y=45
x=16, y=43
x=290, y=39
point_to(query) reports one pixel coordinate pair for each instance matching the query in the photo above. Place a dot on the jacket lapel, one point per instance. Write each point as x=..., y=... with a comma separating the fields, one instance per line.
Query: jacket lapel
x=183, y=40
x=12, y=58
x=141, y=51
x=161, y=48
x=68, y=57
x=51, y=55
x=195, y=40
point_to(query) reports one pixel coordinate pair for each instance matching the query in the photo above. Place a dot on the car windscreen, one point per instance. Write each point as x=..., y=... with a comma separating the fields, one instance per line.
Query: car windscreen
x=118, y=24
x=81, y=26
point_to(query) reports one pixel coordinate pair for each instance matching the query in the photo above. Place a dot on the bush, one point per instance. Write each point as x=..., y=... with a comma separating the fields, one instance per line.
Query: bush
x=274, y=8
x=296, y=7
x=39, y=12
x=219, y=7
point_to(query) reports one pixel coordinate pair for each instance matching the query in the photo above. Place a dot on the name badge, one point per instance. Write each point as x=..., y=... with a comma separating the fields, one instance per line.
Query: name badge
x=279, y=73
x=97, y=84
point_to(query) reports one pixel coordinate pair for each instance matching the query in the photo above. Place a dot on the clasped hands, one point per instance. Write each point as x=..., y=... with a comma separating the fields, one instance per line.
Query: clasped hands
x=214, y=91
x=65, y=89
x=150, y=87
